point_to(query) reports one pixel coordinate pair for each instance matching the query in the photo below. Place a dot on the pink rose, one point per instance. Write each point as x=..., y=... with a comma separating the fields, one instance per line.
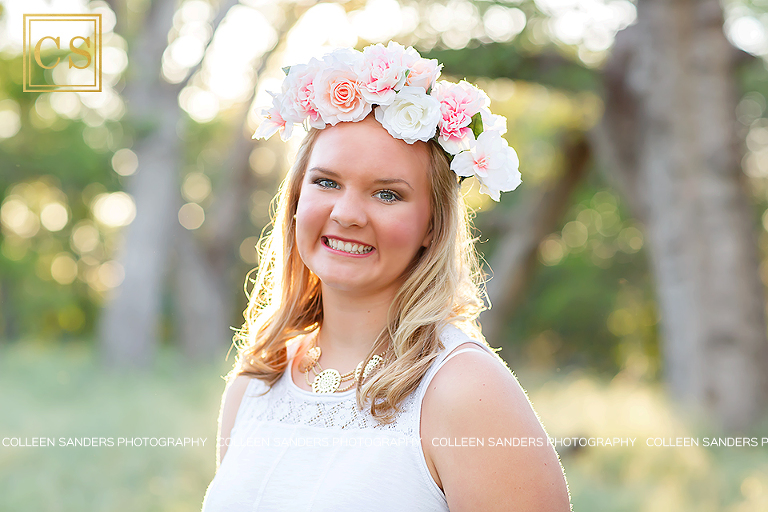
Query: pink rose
x=273, y=121
x=422, y=72
x=299, y=93
x=381, y=72
x=337, y=94
x=458, y=103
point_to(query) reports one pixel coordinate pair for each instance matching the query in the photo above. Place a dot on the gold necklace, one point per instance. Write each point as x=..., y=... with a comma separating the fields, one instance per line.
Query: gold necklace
x=328, y=381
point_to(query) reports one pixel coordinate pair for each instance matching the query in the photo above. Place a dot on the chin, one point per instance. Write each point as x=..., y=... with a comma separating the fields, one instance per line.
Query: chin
x=347, y=285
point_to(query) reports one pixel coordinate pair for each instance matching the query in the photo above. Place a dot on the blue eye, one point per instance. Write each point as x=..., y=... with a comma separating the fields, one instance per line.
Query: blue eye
x=391, y=197
x=394, y=197
x=318, y=180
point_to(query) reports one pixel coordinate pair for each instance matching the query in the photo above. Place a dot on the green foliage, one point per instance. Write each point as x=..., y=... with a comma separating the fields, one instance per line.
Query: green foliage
x=514, y=61
x=476, y=125
x=568, y=315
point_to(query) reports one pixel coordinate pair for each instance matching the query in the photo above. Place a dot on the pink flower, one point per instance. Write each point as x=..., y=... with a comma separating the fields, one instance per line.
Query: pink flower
x=274, y=121
x=381, y=72
x=299, y=93
x=337, y=94
x=458, y=103
x=422, y=72
x=492, y=161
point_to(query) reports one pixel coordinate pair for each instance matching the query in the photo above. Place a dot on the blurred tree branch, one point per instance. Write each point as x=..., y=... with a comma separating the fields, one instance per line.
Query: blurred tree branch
x=508, y=60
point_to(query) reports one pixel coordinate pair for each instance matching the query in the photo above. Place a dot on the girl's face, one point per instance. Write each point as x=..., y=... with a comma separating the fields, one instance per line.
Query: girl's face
x=364, y=187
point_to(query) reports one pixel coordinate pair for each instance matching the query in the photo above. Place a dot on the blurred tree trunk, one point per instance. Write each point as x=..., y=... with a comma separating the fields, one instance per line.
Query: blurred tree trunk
x=203, y=297
x=204, y=291
x=204, y=288
x=669, y=137
x=129, y=324
x=522, y=230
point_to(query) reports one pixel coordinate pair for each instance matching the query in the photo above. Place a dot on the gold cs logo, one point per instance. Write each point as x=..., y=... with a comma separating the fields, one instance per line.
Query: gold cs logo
x=72, y=48
x=83, y=31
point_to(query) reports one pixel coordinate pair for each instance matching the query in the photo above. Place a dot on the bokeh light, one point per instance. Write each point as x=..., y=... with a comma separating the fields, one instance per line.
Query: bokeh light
x=196, y=187
x=54, y=216
x=125, y=162
x=191, y=216
x=114, y=210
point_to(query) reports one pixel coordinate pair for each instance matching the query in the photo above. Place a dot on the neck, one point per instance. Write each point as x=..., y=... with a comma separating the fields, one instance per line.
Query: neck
x=351, y=325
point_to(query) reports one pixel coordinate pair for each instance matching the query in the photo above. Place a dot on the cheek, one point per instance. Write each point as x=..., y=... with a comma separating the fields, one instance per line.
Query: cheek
x=310, y=210
x=407, y=231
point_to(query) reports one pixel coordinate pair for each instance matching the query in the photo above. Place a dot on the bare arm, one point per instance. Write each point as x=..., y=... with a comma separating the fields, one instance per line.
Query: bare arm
x=475, y=397
x=230, y=403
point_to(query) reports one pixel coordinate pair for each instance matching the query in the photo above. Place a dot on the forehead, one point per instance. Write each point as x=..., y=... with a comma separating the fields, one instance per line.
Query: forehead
x=365, y=149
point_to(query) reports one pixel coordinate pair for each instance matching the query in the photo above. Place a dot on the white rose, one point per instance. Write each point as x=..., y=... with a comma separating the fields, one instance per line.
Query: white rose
x=412, y=116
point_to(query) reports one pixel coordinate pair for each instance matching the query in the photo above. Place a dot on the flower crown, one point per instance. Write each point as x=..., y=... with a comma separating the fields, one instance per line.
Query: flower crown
x=346, y=84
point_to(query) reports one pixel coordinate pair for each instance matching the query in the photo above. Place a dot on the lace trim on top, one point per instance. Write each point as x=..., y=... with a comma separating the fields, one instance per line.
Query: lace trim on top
x=286, y=403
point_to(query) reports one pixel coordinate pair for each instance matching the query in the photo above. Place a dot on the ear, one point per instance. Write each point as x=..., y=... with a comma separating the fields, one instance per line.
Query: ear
x=428, y=237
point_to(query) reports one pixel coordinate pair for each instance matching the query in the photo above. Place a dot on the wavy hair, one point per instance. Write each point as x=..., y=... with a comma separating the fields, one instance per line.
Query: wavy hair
x=443, y=285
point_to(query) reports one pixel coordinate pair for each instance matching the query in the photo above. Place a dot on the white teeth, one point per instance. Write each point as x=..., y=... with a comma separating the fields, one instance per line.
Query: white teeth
x=349, y=247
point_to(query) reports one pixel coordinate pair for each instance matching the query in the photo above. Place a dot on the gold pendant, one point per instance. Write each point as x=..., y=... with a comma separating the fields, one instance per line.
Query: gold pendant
x=327, y=382
x=309, y=360
x=372, y=364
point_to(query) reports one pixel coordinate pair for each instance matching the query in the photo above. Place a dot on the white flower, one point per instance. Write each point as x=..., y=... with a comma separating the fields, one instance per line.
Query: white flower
x=348, y=56
x=273, y=121
x=492, y=161
x=412, y=116
x=493, y=122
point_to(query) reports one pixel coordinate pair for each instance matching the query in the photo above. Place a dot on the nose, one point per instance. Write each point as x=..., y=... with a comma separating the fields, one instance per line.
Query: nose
x=348, y=210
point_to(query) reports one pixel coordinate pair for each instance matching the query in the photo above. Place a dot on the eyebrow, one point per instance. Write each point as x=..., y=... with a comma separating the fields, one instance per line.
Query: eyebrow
x=384, y=181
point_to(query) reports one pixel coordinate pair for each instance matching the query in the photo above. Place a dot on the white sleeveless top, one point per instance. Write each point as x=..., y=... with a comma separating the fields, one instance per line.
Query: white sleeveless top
x=293, y=450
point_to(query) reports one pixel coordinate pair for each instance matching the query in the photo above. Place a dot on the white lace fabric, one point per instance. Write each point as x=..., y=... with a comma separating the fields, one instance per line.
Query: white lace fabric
x=291, y=449
x=288, y=404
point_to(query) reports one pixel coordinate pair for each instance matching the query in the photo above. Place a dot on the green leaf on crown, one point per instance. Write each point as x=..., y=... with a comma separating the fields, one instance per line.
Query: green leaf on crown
x=286, y=69
x=476, y=125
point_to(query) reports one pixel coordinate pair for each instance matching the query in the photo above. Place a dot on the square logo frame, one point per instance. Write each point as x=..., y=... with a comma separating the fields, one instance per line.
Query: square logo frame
x=28, y=53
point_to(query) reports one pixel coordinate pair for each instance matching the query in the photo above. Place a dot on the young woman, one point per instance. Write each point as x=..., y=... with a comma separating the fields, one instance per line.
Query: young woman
x=363, y=381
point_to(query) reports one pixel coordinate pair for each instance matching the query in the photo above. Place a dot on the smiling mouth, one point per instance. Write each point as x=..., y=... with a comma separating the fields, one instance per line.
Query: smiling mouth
x=347, y=247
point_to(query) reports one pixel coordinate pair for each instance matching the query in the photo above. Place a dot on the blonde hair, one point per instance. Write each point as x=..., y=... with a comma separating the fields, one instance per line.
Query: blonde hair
x=443, y=285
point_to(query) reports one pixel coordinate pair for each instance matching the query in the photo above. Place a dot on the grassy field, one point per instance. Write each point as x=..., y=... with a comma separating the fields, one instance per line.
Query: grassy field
x=62, y=393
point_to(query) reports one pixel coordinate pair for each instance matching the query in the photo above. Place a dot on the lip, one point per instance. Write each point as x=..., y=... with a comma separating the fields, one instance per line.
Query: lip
x=349, y=254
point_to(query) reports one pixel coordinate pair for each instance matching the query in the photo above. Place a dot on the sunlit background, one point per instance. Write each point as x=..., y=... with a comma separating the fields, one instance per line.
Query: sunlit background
x=583, y=335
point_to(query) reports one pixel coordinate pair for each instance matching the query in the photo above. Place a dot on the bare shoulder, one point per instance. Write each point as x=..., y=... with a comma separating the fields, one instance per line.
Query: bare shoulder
x=230, y=404
x=485, y=442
